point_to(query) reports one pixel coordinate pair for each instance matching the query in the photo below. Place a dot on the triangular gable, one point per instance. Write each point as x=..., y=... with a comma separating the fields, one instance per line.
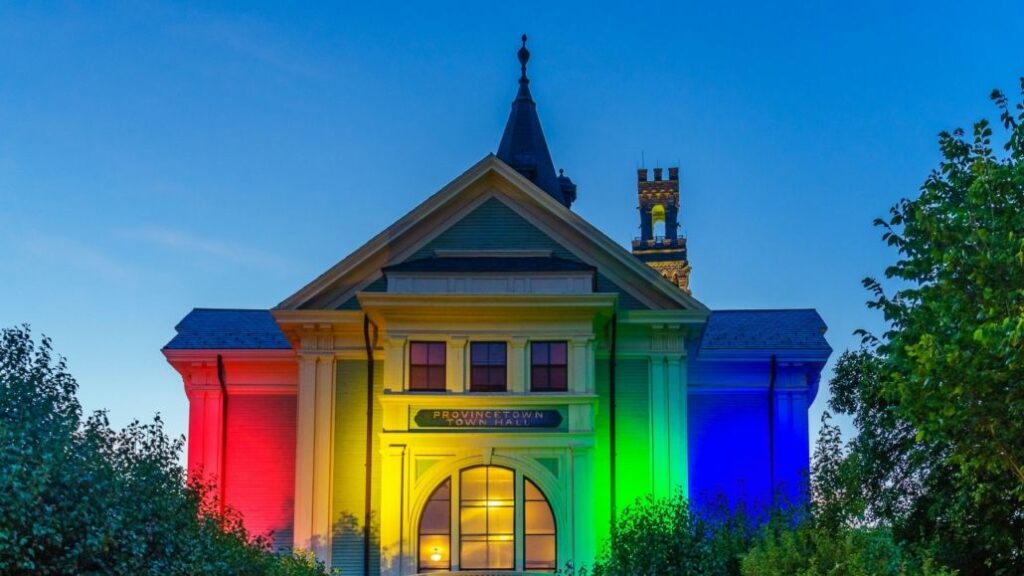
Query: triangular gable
x=455, y=212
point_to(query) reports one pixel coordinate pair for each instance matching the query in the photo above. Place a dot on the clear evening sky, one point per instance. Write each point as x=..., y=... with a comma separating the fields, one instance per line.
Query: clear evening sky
x=155, y=157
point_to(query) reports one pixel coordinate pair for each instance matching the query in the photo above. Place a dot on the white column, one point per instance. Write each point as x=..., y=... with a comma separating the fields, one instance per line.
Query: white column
x=455, y=365
x=677, y=449
x=305, y=420
x=583, y=530
x=323, y=444
x=579, y=376
x=393, y=547
x=394, y=363
x=313, y=454
x=518, y=372
x=659, y=427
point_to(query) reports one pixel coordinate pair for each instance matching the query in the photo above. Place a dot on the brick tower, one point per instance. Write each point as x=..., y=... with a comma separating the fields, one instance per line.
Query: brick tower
x=659, y=245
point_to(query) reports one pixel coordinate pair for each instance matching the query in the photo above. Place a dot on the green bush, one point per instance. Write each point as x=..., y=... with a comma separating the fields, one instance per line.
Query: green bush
x=808, y=550
x=82, y=498
x=664, y=536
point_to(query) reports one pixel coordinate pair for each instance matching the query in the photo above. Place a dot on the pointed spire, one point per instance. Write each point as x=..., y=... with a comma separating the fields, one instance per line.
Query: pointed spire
x=523, y=146
x=524, y=57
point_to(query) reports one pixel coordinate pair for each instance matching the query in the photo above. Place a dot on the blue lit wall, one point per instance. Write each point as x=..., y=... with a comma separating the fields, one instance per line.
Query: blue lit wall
x=743, y=447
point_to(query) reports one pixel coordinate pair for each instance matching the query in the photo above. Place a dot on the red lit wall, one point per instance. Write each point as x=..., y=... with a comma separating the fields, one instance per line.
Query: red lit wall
x=259, y=467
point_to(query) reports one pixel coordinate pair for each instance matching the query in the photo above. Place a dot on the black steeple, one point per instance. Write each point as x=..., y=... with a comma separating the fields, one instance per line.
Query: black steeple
x=523, y=146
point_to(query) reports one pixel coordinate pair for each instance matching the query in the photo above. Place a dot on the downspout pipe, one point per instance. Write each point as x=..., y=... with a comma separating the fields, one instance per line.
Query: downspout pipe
x=368, y=509
x=222, y=381
x=772, y=370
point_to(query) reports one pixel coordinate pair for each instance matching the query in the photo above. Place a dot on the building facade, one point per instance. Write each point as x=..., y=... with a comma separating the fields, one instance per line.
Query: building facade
x=486, y=383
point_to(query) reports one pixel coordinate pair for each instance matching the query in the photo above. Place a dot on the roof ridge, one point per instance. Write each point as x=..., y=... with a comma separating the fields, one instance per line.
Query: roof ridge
x=205, y=309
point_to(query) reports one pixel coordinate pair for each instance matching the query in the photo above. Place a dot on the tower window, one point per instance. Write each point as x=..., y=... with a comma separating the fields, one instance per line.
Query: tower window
x=658, y=220
x=487, y=372
x=549, y=367
x=426, y=366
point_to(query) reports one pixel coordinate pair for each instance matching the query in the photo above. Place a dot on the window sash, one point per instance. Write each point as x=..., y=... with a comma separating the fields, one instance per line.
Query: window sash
x=427, y=366
x=549, y=367
x=488, y=370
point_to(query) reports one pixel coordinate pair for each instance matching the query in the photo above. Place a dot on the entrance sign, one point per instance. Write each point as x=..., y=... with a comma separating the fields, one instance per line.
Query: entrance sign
x=490, y=419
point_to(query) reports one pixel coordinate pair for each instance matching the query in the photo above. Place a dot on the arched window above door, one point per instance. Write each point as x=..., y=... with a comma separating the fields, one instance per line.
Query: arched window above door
x=497, y=518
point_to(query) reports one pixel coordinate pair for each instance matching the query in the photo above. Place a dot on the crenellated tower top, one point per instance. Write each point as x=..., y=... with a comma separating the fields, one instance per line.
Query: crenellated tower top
x=660, y=246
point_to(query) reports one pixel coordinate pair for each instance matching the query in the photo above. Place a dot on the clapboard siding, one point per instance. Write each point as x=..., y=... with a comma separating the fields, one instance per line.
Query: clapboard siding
x=259, y=470
x=493, y=226
x=349, y=497
x=632, y=431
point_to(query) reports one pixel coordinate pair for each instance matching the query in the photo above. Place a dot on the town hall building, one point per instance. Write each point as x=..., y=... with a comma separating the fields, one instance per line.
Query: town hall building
x=484, y=385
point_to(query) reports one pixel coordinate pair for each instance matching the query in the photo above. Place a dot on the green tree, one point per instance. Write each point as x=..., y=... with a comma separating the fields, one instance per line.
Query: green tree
x=832, y=538
x=939, y=397
x=81, y=498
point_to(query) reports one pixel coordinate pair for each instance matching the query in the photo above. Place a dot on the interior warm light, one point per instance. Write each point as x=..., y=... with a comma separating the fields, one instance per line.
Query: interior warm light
x=436, y=556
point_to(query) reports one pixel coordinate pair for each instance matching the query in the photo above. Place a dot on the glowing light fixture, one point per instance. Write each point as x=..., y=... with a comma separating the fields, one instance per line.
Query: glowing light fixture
x=436, y=556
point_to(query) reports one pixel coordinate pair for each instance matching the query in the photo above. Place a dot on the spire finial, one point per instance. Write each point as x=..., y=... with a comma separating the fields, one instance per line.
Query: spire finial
x=524, y=57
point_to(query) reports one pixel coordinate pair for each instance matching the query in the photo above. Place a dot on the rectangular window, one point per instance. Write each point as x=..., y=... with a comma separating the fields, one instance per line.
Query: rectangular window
x=548, y=367
x=426, y=366
x=487, y=361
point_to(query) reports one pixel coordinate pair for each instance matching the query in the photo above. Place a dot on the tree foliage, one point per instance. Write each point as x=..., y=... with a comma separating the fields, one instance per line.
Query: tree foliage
x=954, y=352
x=82, y=498
x=939, y=397
x=655, y=536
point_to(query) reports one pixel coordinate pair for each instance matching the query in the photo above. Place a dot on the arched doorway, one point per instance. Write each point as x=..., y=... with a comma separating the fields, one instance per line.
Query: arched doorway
x=487, y=518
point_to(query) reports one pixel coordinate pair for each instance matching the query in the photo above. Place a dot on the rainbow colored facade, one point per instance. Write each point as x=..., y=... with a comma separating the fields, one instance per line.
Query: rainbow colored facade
x=485, y=384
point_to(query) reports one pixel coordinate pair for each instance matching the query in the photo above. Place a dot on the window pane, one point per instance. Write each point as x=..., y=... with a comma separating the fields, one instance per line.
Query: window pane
x=501, y=484
x=558, y=378
x=501, y=521
x=474, y=555
x=436, y=354
x=435, y=378
x=539, y=378
x=478, y=352
x=436, y=517
x=418, y=353
x=474, y=520
x=538, y=518
x=418, y=378
x=558, y=352
x=496, y=377
x=532, y=492
x=538, y=353
x=474, y=484
x=501, y=555
x=497, y=353
x=540, y=552
x=477, y=377
x=444, y=491
x=430, y=545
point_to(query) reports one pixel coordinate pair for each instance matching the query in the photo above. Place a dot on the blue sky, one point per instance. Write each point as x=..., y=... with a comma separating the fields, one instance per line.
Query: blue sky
x=155, y=157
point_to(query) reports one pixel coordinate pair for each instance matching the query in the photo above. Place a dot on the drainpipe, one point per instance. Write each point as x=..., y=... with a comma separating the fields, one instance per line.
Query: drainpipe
x=611, y=410
x=221, y=379
x=368, y=509
x=771, y=425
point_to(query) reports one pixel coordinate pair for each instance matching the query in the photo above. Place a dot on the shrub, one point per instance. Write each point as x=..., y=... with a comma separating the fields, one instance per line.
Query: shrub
x=82, y=498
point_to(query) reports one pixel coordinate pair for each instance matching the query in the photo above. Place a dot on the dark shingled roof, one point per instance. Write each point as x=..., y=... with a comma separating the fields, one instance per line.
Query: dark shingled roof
x=490, y=264
x=765, y=330
x=226, y=329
